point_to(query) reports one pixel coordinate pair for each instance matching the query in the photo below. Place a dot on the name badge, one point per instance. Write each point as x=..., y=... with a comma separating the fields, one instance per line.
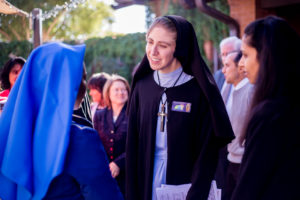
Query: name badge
x=181, y=106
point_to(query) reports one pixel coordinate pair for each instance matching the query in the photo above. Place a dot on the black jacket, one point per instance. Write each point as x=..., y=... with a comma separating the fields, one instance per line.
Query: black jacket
x=113, y=136
x=270, y=165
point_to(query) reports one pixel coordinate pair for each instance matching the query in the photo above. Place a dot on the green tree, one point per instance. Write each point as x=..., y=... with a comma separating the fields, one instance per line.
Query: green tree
x=117, y=54
x=81, y=22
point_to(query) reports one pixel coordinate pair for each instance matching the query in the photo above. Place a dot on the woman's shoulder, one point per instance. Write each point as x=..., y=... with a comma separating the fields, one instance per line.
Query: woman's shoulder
x=100, y=113
x=275, y=121
x=272, y=107
x=273, y=113
x=146, y=80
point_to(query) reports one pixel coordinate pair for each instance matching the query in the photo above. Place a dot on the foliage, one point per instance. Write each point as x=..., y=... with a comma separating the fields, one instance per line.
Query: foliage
x=14, y=48
x=13, y=27
x=84, y=21
x=117, y=54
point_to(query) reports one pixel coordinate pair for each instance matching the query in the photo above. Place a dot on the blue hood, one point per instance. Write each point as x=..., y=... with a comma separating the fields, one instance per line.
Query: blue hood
x=35, y=122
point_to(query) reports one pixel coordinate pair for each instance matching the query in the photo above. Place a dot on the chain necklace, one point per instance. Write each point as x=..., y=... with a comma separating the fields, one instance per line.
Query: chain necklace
x=163, y=113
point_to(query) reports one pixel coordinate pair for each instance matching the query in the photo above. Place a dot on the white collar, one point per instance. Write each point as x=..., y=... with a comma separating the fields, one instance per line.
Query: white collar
x=241, y=84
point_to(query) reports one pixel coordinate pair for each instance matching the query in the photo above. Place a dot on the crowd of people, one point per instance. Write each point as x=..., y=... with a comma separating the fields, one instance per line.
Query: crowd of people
x=177, y=124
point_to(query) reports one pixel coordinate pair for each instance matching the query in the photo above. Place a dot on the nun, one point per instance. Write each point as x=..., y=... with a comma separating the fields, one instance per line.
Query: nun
x=177, y=119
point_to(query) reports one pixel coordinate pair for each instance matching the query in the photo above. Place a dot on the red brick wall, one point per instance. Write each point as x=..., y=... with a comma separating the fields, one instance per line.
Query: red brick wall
x=244, y=11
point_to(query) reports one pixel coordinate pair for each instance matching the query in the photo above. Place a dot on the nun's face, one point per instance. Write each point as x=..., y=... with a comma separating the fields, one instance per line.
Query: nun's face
x=160, y=49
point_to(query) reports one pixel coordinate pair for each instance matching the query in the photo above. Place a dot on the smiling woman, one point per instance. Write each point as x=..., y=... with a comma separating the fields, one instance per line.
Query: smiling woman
x=111, y=124
x=160, y=48
x=173, y=131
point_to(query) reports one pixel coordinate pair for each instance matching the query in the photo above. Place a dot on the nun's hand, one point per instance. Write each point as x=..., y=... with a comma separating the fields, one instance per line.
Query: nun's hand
x=114, y=169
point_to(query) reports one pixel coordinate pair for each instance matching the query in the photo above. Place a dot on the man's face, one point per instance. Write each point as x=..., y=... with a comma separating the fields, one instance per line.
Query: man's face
x=230, y=70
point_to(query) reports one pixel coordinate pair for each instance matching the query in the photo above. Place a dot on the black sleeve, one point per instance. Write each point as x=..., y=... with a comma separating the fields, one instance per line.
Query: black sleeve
x=132, y=148
x=267, y=151
x=205, y=166
x=120, y=161
x=98, y=117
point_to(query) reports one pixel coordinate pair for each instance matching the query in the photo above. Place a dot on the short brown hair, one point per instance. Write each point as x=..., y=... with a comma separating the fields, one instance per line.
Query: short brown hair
x=108, y=85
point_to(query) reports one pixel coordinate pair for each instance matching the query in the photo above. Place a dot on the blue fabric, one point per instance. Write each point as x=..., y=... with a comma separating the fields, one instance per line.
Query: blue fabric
x=86, y=173
x=32, y=150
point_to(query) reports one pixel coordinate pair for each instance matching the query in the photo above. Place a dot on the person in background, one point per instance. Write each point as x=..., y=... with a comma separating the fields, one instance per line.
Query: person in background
x=237, y=108
x=271, y=163
x=95, y=85
x=52, y=154
x=227, y=45
x=111, y=124
x=177, y=119
x=9, y=75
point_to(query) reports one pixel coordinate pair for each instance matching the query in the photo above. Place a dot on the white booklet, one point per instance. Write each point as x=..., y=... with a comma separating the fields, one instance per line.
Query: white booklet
x=179, y=192
x=214, y=193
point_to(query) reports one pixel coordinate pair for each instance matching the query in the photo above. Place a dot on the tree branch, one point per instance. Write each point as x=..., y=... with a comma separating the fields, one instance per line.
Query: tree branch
x=25, y=28
x=5, y=35
x=15, y=33
x=55, y=21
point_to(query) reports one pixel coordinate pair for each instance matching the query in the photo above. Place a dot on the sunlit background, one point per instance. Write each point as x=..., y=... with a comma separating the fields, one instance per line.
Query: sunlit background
x=115, y=38
x=130, y=19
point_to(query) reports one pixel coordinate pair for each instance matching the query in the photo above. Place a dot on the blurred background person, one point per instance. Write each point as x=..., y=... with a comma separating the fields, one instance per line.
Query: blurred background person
x=111, y=124
x=95, y=85
x=227, y=45
x=270, y=164
x=237, y=108
x=9, y=75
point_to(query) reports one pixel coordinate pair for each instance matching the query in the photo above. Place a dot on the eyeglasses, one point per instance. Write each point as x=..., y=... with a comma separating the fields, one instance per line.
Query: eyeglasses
x=227, y=53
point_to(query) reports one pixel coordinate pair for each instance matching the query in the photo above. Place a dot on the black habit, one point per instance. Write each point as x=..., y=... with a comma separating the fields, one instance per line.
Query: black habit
x=193, y=139
x=270, y=168
x=113, y=136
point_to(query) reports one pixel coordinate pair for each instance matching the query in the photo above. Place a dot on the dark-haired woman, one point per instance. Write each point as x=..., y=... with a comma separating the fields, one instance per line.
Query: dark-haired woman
x=271, y=162
x=177, y=119
x=9, y=75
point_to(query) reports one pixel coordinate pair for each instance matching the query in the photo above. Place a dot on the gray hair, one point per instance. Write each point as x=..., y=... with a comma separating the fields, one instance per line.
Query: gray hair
x=234, y=41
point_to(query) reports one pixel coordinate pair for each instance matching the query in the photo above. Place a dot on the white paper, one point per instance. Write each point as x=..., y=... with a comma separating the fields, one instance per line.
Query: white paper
x=172, y=192
x=214, y=192
x=179, y=192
